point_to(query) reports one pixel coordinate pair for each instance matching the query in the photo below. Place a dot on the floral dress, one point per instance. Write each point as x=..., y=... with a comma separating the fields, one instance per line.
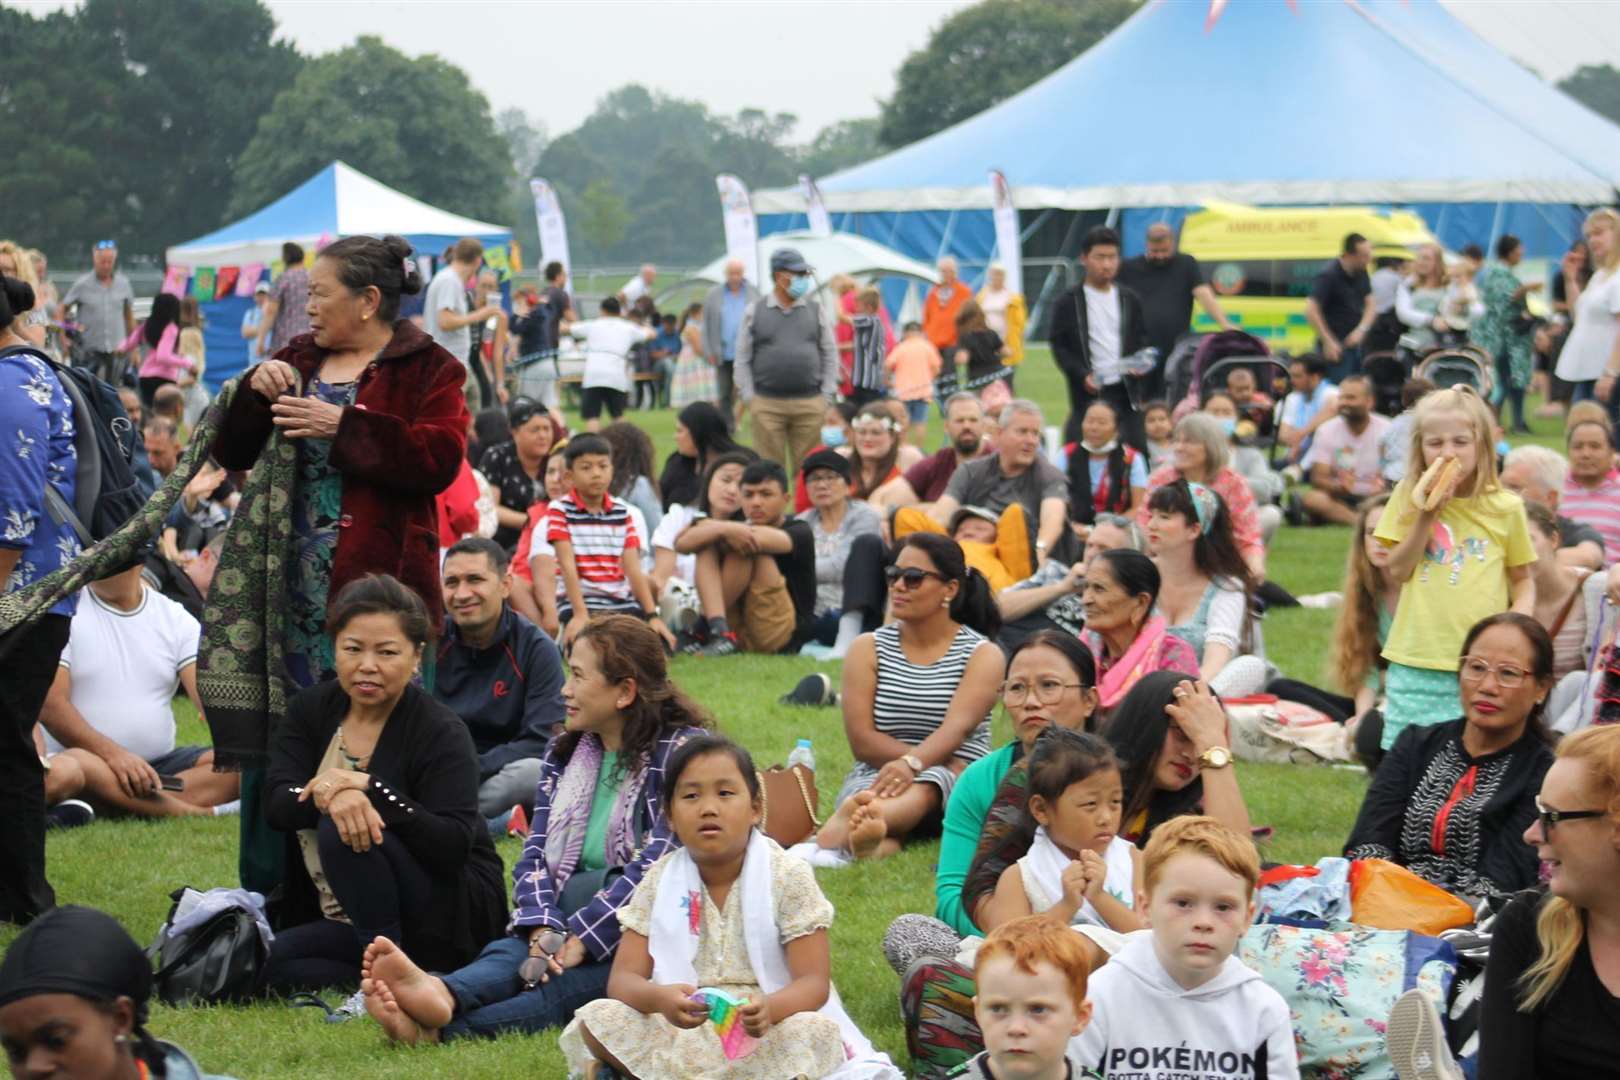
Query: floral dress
x=317, y=504
x=804, y=1044
x=1493, y=332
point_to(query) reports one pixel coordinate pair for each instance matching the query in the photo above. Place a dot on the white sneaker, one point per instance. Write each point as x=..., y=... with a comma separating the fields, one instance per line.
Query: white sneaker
x=1416, y=1040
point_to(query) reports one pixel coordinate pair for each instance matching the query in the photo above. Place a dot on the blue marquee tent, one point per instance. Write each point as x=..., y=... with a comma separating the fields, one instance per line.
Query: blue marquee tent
x=338, y=201
x=1380, y=102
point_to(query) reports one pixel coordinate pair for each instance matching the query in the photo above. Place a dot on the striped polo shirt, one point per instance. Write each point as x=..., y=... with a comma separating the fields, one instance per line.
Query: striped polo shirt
x=1598, y=507
x=599, y=542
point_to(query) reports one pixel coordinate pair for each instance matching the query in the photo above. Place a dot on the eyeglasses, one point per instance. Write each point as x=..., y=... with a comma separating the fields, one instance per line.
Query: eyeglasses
x=1046, y=691
x=1508, y=676
x=1550, y=818
x=823, y=476
x=910, y=577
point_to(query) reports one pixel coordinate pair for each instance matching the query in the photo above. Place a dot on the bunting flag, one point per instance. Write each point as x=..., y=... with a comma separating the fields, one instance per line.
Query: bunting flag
x=225, y=282
x=742, y=230
x=553, y=227
x=202, y=283
x=814, y=208
x=1009, y=243
x=248, y=279
x=175, y=278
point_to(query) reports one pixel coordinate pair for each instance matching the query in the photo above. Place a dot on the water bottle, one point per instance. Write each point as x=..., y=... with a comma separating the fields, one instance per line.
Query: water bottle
x=802, y=755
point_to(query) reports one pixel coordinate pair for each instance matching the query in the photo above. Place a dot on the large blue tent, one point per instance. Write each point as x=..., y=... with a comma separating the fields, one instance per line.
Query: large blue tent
x=337, y=201
x=1380, y=102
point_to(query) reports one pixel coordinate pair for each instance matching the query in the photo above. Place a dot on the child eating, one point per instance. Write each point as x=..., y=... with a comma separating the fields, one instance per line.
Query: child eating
x=729, y=911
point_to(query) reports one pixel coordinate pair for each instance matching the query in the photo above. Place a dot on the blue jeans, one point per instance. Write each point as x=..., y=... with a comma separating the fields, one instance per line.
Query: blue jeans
x=490, y=998
x=1583, y=390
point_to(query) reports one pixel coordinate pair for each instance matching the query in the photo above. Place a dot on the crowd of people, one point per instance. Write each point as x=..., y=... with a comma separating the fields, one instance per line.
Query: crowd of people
x=418, y=612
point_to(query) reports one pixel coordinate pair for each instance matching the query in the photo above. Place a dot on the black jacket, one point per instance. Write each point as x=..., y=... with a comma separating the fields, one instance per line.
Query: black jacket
x=425, y=788
x=509, y=694
x=1070, y=338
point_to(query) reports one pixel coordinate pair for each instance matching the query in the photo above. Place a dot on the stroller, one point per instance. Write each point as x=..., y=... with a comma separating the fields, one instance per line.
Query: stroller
x=1447, y=368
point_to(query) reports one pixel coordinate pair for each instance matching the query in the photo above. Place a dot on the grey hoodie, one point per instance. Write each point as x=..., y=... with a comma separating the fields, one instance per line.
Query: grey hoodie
x=1144, y=1026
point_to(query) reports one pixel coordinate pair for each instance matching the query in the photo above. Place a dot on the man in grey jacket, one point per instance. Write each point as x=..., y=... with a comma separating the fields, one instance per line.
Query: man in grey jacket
x=787, y=364
x=723, y=310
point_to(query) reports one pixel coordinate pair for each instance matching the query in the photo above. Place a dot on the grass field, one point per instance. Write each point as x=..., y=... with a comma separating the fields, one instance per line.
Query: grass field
x=129, y=867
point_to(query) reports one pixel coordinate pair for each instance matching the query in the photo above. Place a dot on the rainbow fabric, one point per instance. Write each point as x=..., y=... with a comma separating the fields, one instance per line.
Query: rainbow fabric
x=724, y=1013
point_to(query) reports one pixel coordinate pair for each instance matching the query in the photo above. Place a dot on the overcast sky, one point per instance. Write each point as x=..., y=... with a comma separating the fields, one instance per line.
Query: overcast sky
x=824, y=61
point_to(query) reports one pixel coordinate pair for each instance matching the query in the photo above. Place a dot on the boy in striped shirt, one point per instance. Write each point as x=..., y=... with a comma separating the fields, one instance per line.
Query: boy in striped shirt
x=598, y=551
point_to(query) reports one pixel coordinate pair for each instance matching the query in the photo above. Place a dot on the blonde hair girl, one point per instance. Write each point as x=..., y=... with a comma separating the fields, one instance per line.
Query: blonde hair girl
x=1369, y=607
x=1465, y=557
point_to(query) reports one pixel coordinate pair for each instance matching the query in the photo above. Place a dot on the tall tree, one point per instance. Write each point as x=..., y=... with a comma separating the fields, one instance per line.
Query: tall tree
x=987, y=53
x=525, y=139
x=414, y=123
x=1597, y=86
x=840, y=145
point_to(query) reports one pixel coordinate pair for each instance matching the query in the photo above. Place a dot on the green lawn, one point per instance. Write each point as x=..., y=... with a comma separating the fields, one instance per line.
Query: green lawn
x=128, y=867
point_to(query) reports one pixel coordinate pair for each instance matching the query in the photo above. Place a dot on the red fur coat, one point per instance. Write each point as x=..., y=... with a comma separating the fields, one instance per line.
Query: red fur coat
x=400, y=444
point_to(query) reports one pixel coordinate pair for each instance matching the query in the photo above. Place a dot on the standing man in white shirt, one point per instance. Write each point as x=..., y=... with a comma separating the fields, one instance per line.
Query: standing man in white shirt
x=1095, y=325
x=607, y=341
x=446, y=315
x=638, y=286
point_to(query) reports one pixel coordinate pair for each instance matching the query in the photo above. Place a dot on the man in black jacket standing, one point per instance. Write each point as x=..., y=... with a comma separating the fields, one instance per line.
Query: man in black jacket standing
x=498, y=672
x=1095, y=326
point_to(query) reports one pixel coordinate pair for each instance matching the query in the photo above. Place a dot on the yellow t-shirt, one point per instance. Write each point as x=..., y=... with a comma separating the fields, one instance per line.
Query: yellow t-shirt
x=1462, y=577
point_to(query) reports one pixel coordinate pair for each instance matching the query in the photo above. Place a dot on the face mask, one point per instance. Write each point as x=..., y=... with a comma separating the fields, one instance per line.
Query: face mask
x=799, y=286
x=1103, y=448
x=832, y=436
x=1502, y=449
x=1228, y=424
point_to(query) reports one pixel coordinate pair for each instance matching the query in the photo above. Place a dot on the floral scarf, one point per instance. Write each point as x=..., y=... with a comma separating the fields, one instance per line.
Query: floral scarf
x=571, y=811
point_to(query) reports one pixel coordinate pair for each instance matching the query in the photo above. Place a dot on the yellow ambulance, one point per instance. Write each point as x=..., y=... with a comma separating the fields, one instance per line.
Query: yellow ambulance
x=1261, y=261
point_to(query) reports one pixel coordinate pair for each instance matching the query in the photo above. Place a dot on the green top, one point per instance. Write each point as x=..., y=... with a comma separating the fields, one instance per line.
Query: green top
x=971, y=797
x=593, y=856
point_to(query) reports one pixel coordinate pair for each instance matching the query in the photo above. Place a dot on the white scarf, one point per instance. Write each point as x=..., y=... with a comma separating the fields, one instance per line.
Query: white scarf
x=1042, y=873
x=673, y=943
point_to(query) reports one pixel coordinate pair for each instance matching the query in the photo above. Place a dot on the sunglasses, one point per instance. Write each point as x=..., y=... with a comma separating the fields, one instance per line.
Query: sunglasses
x=106, y=245
x=1550, y=818
x=909, y=577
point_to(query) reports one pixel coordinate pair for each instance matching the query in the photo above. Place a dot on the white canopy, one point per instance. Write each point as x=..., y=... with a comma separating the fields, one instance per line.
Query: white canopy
x=840, y=253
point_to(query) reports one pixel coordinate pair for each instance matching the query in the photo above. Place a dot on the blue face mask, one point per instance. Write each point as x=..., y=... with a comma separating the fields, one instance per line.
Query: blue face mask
x=1502, y=449
x=799, y=286
x=1228, y=425
x=832, y=436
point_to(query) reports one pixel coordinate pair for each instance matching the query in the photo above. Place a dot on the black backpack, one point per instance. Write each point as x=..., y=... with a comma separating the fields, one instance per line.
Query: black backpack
x=105, y=492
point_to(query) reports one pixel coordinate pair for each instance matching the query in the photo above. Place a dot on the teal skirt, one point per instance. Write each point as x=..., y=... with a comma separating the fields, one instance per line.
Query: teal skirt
x=1417, y=697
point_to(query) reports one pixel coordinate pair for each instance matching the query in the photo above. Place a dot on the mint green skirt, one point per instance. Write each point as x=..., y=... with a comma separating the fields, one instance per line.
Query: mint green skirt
x=1417, y=697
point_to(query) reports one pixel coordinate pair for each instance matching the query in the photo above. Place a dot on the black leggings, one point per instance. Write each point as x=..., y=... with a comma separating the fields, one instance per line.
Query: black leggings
x=375, y=888
x=865, y=589
x=1511, y=395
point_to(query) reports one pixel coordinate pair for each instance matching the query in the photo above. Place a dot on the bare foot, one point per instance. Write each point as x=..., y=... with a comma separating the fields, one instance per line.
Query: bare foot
x=834, y=832
x=867, y=831
x=384, y=1009
x=423, y=997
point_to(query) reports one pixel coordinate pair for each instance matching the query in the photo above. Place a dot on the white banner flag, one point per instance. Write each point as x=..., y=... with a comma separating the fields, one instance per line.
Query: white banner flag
x=742, y=231
x=1009, y=248
x=820, y=222
x=553, y=229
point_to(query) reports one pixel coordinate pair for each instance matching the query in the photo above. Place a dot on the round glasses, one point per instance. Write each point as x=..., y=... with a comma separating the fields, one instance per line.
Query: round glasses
x=1508, y=676
x=1046, y=691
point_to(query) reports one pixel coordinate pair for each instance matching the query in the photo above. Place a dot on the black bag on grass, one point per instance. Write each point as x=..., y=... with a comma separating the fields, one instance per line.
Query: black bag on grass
x=212, y=963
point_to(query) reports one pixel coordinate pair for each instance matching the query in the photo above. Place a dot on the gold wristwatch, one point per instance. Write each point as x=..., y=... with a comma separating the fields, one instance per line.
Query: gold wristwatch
x=1216, y=757
x=913, y=762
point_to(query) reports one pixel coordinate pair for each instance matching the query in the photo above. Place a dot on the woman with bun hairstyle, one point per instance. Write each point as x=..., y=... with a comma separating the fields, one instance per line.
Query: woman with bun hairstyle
x=350, y=431
x=1460, y=550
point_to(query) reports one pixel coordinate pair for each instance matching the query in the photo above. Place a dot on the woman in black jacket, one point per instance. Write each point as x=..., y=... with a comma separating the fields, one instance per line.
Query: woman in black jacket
x=1451, y=801
x=376, y=786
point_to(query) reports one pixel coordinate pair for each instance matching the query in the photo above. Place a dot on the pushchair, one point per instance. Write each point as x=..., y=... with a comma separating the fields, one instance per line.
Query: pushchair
x=1447, y=368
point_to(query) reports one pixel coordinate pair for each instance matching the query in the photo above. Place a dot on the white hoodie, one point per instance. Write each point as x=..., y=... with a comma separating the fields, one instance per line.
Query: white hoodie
x=1144, y=1026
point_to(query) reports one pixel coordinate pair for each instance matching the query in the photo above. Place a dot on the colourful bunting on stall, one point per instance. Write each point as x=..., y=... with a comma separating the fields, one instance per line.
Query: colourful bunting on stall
x=202, y=283
x=174, y=279
x=225, y=281
x=245, y=282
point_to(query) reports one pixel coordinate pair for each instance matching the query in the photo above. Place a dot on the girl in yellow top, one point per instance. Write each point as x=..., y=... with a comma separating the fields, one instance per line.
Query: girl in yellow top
x=1467, y=558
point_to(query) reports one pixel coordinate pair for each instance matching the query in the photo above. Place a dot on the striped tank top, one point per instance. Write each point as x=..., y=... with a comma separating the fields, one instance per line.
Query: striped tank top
x=911, y=699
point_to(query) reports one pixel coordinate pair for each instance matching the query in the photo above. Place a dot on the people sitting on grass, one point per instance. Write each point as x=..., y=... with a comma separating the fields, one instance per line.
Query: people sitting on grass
x=1266, y=484
x=1592, y=491
x=1016, y=474
x=1158, y=427
x=499, y=673
x=1201, y=454
x=877, y=454
x=728, y=911
x=1123, y=632
x=917, y=696
x=1452, y=799
x=534, y=560
x=599, y=823
x=516, y=467
x=674, y=572
x=1031, y=984
x=1537, y=474
x=75, y=991
x=756, y=578
x=701, y=435
x=1569, y=601
x=108, y=718
x=1050, y=598
x=1105, y=475
x=1342, y=463
x=924, y=482
x=374, y=786
x=1205, y=596
x=1309, y=404
x=835, y=520
x=633, y=481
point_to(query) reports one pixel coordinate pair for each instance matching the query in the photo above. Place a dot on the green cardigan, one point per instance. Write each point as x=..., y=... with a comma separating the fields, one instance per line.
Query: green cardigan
x=971, y=797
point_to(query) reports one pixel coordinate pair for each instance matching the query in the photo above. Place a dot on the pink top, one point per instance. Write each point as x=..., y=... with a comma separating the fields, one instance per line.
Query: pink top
x=1234, y=491
x=1598, y=507
x=161, y=361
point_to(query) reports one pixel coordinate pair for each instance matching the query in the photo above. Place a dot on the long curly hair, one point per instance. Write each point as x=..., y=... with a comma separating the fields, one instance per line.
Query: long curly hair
x=1355, y=633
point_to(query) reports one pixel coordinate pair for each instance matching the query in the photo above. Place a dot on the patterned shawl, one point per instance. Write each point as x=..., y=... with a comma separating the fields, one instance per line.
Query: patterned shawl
x=571, y=811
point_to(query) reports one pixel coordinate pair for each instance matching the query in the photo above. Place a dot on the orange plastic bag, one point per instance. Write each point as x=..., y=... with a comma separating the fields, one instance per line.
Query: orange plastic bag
x=1388, y=896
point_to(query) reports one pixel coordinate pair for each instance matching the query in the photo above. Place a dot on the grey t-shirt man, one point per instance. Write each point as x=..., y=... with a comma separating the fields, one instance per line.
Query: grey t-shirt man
x=447, y=290
x=101, y=309
x=981, y=482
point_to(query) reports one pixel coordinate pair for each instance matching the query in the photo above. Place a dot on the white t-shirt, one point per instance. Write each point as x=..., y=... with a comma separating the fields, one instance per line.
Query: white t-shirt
x=633, y=290
x=447, y=291
x=1591, y=339
x=677, y=519
x=126, y=667
x=1102, y=328
x=607, y=342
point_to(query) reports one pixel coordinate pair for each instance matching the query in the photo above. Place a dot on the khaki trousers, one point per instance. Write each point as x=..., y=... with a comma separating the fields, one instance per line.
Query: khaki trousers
x=785, y=430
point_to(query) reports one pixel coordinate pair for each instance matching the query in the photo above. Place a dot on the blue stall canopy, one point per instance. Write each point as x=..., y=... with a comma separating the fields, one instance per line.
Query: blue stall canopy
x=337, y=201
x=1382, y=102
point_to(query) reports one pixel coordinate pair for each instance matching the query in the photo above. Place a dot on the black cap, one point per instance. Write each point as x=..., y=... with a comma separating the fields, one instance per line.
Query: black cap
x=79, y=951
x=790, y=260
x=826, y=459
